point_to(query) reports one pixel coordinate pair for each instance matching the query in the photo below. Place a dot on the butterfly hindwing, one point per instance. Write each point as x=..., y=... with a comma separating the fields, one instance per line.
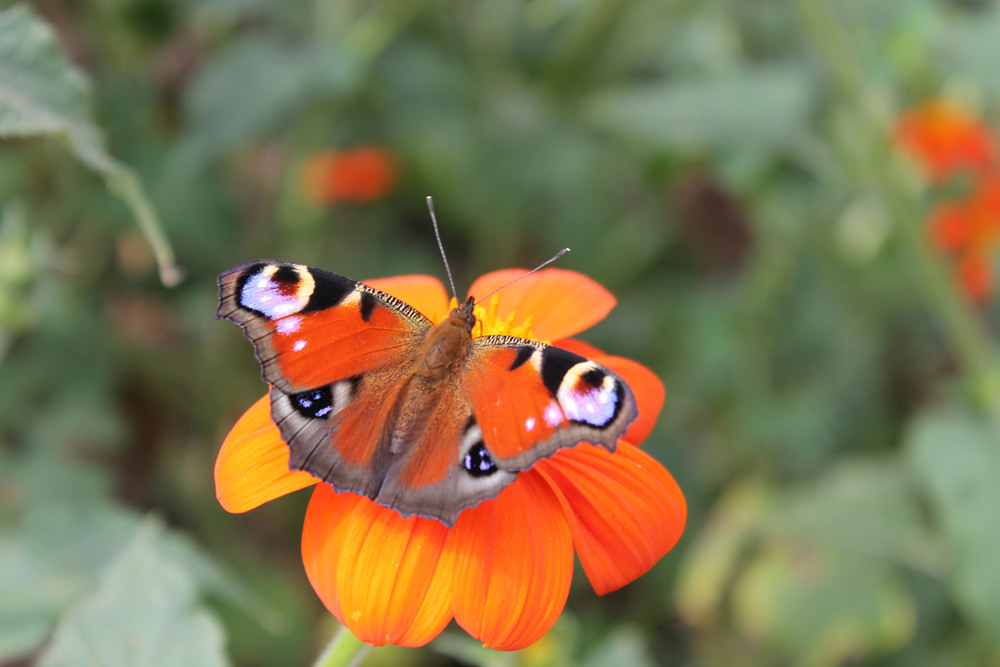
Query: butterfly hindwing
x=446, y=470
x=340, y=433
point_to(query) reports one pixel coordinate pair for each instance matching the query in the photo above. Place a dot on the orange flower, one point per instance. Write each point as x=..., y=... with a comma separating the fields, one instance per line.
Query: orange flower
x=354, y=176
x=503, y=570
x=970, y=229
x=945, y=138
x=975, y=274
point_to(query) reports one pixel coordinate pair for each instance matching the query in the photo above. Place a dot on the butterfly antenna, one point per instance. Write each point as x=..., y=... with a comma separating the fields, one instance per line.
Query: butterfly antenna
x=528, y=273
x=437, y=235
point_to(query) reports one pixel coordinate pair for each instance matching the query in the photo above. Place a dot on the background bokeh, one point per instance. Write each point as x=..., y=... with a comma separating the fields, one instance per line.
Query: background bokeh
x=726, y=168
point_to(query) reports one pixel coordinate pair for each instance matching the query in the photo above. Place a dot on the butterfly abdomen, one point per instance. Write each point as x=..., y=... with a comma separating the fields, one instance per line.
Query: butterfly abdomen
x=445, y=349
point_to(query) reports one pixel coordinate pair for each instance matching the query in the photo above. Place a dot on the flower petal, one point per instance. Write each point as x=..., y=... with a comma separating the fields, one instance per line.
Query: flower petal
x=975, y=273
x=355, y=175
x=252, y=467
x=425, y=293
x=385, y=577
x=513, y=564
x=949, y=227
x=646, y=387
x=945, y=138
x=560, y=303
x=625, y=510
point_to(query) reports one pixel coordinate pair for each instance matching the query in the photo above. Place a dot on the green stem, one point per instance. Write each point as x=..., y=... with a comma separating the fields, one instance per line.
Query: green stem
x=344, y=650
x=125, y=184
x=961, y=323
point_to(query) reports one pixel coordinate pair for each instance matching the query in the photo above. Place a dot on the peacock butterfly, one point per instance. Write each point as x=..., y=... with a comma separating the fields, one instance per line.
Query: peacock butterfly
x=429, y=419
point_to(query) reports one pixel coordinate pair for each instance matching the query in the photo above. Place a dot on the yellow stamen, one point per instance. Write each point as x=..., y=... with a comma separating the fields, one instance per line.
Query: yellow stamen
x=490, y=324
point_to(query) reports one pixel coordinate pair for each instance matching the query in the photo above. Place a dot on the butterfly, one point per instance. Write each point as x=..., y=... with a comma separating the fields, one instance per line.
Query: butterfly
x=429, y=419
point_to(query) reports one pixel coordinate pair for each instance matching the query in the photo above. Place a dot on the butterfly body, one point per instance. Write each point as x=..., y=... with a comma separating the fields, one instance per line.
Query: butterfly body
x=447, y=344
x=373, y=397
x=440, y=357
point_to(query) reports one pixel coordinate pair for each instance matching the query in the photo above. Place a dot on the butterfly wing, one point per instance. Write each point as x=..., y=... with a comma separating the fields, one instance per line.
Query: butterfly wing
x=336, y=353
x=531, y=399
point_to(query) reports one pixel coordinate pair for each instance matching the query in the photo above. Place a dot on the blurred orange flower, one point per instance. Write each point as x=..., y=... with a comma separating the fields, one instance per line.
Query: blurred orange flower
x=970, y=229
x=944, y=138
x=503, y=570
x=354, y=176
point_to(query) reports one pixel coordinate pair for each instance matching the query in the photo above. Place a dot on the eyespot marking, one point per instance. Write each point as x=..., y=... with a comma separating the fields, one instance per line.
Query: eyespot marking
x=593, y=376
x=286, y=274
x=589, y=395
x=555, y=364
x=326, y=401
x=274, y=291
x=328, y=289
x=314, y=404
x=476, y=461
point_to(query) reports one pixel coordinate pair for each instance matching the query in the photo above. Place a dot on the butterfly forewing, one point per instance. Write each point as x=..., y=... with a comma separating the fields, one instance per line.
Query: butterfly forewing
x=310, y=328
x=532, y=399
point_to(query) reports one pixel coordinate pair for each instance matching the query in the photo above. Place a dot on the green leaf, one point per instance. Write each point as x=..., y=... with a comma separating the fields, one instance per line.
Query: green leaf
x=253, y=86
x=822, y=607
x=971, y=47
x=623, y=647
x=143, y=612
x=25, y=611
x=755, y=107
x=810, y=570
x=863, y=506
x=712, y=559
x=43, y=94
x=957, y=460
x=57, y=551
x=50, y=560
x=18, y=267
x=214, y=580
x=40, y=92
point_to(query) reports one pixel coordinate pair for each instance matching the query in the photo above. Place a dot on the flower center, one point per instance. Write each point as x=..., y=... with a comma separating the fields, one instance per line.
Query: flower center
x=489, y=322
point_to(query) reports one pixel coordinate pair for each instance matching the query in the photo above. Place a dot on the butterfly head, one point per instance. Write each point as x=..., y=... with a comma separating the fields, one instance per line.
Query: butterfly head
x=466, y=313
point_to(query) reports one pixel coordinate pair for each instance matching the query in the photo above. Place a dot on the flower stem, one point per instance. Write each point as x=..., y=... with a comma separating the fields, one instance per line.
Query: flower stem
x=961, y=324
x=344, y=650
x=123, y=182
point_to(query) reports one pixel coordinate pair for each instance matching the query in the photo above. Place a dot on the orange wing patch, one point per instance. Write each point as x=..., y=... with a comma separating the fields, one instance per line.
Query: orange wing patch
x=318, y=347
x=514, y=409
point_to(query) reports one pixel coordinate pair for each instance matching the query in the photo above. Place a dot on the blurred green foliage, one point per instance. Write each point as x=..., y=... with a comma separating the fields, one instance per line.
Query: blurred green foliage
x=723, y=167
